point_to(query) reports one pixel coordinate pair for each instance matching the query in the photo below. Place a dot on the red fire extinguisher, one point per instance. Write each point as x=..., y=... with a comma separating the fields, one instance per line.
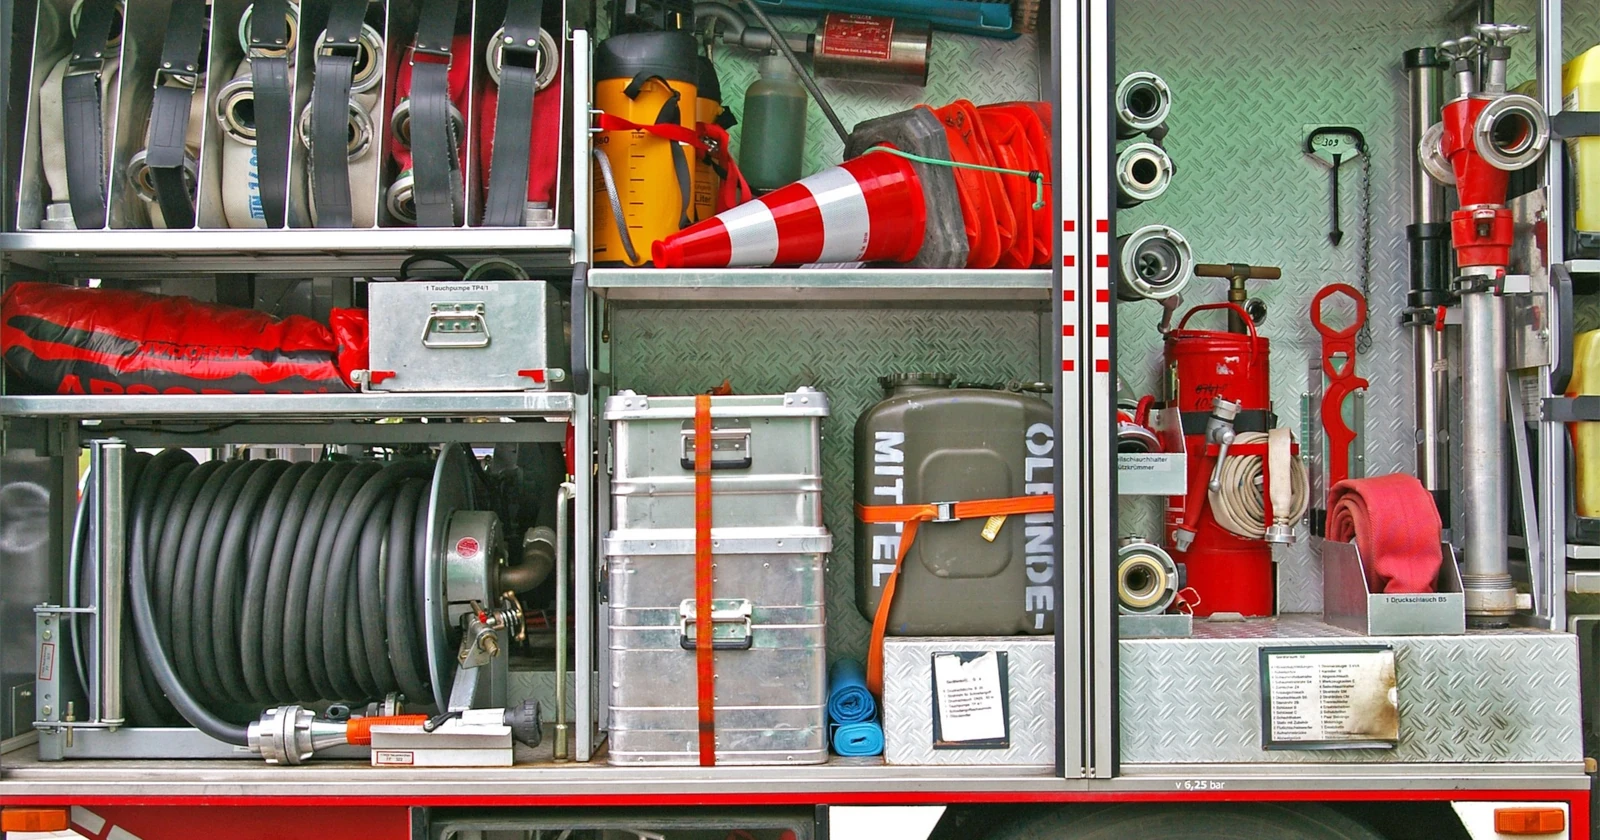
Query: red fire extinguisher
x=1229, y=573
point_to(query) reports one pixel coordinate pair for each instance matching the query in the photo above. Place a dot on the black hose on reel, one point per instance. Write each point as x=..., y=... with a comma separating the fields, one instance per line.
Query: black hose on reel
x=260, y=583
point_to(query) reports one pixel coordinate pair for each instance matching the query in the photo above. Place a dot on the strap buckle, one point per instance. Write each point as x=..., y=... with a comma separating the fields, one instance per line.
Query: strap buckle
x=514, y=54
x=944, y=512
x=276, y=48
x=185, y=79
x=350, y=48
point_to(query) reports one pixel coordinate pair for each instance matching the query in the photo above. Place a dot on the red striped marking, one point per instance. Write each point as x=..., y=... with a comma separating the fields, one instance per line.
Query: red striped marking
x=1069, y=261
x=1102, y=366
x=1102, y=226
x=1102, y=296
x=1102, y=261
x=1068, y=225
x=1069, y=330
x=1067, y=365
x=1102, y=330
x=1069, y=295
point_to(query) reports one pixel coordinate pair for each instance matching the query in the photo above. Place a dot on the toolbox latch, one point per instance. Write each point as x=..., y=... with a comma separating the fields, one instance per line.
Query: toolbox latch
x=454, y=325
x=730, y=624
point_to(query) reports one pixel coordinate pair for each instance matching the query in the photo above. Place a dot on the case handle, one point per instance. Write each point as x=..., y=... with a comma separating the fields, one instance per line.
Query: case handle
x=730, y=624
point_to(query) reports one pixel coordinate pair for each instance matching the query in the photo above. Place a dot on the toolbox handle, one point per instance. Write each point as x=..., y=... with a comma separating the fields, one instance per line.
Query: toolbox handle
x=737, y=433
x=452, y=340
x=732, y=615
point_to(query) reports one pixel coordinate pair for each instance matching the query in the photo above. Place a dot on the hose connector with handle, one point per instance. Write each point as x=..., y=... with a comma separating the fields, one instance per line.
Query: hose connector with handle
x=1236, y=274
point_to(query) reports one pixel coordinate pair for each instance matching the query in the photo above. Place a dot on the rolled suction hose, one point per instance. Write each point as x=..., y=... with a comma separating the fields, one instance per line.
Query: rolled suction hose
x=260, y=583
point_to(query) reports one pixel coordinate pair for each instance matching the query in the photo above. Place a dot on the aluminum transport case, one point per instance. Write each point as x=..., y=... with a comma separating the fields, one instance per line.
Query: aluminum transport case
x=497, y=335
x=771, y=650
x=766, y=460
x=769, y=555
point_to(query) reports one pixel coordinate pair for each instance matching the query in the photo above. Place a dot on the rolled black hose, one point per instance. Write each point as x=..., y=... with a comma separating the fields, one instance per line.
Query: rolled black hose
x=260, y=583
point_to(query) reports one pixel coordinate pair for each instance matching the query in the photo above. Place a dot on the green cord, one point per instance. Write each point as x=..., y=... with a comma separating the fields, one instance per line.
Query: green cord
x=1035, y=175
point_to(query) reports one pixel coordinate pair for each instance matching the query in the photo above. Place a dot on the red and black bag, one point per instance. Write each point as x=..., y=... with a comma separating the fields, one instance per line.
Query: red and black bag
x=66, y=340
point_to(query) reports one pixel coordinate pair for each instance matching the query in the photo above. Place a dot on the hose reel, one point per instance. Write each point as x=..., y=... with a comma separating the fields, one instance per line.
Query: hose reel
x=265, y=584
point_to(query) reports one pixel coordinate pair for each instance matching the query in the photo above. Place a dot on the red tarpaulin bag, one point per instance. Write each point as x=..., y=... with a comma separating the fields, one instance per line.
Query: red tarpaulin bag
x=66, y=340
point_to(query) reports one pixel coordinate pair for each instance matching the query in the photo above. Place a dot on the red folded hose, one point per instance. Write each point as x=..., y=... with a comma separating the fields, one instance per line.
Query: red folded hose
x=1395, y=525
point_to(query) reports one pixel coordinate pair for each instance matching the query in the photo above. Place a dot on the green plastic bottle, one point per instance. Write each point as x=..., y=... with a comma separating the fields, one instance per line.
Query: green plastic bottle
x=772, y=144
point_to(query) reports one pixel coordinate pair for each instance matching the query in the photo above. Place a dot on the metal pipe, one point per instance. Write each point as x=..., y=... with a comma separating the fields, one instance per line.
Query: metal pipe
x=1429, y=237
x=1485, y=576
x=563, y=539
x=111, y=546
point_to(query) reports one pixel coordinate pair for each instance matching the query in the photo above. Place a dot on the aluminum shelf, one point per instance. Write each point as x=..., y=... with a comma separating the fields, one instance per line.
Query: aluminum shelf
x=250, y=407
x=297, y=251
x=800, y=285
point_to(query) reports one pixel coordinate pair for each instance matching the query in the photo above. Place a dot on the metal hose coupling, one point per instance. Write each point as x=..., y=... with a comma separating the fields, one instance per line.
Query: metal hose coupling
x=1143, y=101
x=292, y=734
x=368, y=70
x=1512, y=132
x=359, y=138
x=292, y=17
x=545, y=65
x=1148, y=579
x=1155, y=263
x=1144, y=171
x=235, y=110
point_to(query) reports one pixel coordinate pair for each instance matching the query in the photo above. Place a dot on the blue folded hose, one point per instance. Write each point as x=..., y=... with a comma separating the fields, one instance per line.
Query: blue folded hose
x=849, y=701
x=854, y=740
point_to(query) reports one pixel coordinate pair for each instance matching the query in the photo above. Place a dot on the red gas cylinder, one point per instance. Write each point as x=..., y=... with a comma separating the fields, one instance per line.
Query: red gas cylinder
x=1229, y=573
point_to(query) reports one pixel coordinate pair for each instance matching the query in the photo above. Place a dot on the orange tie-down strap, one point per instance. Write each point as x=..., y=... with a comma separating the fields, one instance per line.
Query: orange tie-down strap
x=705, y=672
x=912, y=516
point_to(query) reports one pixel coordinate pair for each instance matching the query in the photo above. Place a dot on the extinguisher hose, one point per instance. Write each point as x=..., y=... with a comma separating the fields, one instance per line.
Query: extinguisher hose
x=610, y=181
x=1238, y=504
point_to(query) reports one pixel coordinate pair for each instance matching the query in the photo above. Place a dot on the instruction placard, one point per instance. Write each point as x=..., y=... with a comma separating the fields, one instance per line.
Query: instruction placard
x=1329, y=697
x=970, y=700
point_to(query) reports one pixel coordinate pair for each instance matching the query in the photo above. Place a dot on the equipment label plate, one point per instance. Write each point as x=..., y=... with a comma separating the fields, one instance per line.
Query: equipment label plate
x=1333, y=697
x=863, y=36
x=393, y=758
x=970, y=700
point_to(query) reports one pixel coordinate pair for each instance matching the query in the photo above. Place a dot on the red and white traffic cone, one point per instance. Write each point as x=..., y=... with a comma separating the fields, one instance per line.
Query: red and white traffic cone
x=867, y=209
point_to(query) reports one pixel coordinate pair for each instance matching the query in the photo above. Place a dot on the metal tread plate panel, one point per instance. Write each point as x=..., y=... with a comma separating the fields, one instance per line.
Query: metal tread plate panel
x=908, y=701
x=1505, y=697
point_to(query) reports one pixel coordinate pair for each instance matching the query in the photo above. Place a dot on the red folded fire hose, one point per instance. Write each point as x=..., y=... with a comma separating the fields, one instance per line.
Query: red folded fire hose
x=1395, y=525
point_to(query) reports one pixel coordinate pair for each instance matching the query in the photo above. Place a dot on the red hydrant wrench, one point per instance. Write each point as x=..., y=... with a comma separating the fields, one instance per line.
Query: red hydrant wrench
x=1339, y=365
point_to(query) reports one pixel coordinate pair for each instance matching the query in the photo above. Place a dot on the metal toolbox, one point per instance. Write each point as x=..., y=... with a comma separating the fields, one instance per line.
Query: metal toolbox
x=1028, y=692
x=466, y=336
x=766, y=460
x=771, y=650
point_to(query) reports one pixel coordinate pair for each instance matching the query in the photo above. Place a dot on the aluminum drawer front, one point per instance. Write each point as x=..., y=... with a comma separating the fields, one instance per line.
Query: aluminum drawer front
x=433, y=336
x=770, y=699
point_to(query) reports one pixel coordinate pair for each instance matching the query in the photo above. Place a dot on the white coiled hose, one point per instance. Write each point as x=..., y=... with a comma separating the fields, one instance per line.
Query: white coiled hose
x=1237, y=503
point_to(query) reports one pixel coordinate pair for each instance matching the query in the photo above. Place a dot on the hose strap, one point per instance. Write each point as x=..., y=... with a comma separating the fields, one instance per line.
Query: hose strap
x=513, y=123
x=269, y=74
x=177, y=79
x=436, y=168
x=80, y=117
x=330, y=114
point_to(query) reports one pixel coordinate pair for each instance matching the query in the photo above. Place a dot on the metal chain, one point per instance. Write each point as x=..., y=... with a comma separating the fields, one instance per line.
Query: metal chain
x=1364, y=337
